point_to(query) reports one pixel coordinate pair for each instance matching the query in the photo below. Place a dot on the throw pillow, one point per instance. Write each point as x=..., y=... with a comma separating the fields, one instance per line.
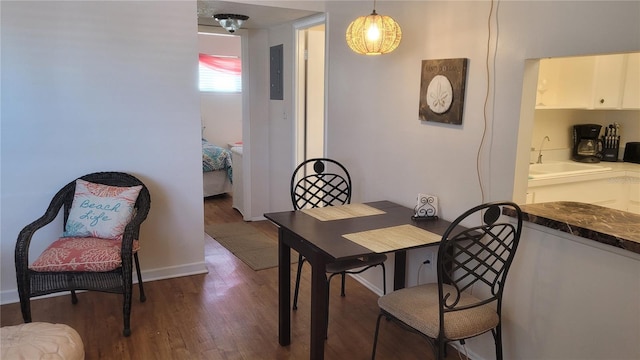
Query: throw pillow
x=100, y=211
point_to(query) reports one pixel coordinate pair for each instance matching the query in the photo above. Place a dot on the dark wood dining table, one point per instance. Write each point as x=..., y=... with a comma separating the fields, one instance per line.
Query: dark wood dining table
x=323, y=241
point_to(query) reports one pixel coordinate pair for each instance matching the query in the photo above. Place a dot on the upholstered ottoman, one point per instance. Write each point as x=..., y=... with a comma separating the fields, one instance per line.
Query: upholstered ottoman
x=40, y=340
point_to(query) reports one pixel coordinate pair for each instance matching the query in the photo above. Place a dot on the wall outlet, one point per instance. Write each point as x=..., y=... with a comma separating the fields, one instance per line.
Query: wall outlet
x=429, y=259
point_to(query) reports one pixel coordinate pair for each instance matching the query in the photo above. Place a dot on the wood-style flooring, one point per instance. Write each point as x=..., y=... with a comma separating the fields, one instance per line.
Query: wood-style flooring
x=229, y=313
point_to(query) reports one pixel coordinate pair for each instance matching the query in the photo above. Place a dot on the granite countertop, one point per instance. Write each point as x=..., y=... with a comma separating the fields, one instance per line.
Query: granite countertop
x=604, y=225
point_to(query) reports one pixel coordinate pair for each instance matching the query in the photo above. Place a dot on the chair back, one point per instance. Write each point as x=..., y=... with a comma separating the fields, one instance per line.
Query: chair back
x=320, y=182
x=476, y=259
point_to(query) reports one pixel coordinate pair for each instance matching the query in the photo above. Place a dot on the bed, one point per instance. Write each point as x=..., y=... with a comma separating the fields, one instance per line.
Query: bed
x=217, y=170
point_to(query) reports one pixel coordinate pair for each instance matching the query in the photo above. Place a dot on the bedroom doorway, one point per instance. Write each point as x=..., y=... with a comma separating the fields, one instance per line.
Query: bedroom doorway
x=310, y=89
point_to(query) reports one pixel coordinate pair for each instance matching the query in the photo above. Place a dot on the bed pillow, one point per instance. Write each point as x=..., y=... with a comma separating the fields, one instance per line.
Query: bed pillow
x=100, y=211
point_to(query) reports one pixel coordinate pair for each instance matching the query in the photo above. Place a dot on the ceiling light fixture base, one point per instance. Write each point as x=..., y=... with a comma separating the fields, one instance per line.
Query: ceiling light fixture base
x=230, y=22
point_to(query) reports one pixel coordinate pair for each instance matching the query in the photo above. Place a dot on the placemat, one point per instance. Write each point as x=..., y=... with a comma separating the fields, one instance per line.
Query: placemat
x=342, y=212
x=393, y=238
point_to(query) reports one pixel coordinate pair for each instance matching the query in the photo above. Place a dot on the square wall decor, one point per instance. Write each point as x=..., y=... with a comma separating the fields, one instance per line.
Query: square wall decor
x=442, y=88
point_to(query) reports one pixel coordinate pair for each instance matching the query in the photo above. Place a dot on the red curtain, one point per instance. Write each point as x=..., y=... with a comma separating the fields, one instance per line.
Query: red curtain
x=224, y=64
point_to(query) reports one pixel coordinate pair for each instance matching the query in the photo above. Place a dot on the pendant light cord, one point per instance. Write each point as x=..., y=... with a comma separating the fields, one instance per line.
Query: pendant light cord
x=490, y=64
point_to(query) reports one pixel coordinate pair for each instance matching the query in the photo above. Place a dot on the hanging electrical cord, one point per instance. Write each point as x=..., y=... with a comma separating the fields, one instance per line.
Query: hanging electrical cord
x=489, y=65
x=466, y=354
x=419, y=271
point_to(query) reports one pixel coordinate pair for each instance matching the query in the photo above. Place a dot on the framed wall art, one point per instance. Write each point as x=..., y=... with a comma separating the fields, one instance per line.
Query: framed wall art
x=442, y=87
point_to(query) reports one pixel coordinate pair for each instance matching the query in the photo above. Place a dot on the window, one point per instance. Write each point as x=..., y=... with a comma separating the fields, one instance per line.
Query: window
x=220, y=73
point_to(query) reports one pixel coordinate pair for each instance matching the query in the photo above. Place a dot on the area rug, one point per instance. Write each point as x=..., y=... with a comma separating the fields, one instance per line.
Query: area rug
x=248, y=244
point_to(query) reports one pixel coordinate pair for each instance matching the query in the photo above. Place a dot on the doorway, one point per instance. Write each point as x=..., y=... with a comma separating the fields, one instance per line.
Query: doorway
x=309, y=89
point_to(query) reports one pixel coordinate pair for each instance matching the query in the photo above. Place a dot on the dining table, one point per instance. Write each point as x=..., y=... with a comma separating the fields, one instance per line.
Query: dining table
x=326, y=234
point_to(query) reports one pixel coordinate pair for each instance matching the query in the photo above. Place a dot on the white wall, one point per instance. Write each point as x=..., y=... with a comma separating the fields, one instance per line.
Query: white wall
x=221, y=113
x=570, y=298
x=256, y=126
x=281, y=126
x=221, y=117
x=373, y=126
x=102, y=86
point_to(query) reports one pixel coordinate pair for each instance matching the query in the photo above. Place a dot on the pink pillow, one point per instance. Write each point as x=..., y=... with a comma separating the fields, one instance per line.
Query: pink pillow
x=81, y=254
x=100, y=211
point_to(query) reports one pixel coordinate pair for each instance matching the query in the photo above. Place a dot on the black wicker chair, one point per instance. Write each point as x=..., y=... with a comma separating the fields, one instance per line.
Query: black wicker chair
x=320, y=182
x=472, y=270
x=36, y=283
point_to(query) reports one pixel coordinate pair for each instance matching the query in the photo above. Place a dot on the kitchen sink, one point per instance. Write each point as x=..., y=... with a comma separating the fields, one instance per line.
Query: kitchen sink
x=563, y=168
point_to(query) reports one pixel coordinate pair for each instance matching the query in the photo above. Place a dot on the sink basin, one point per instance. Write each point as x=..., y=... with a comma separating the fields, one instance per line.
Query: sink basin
x=563, y=168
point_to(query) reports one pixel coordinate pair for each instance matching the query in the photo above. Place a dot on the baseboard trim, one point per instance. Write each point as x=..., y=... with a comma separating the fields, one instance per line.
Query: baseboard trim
x=376, y=290
x=11, y=296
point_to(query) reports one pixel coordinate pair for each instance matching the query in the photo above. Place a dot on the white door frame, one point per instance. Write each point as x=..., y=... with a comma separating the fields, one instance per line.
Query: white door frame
x=299, y=87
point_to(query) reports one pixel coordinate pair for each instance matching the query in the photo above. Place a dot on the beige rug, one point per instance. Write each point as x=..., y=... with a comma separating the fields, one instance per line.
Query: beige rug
x=248, y=244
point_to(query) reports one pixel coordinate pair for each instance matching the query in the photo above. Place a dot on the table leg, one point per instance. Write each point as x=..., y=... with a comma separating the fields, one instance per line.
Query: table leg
x=284, y=290
x=400, y=269
x=319, y=302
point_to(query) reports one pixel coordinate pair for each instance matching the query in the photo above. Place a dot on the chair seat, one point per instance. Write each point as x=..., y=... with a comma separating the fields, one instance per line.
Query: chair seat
x=418, y=307
x=81, y=254
x=349, y=264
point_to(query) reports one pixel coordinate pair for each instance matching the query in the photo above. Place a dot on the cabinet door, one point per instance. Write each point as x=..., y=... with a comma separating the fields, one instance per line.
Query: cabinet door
x=590, y=82
x=611, y=193
x=631, y=95
x=608, y=85
x=565, y=83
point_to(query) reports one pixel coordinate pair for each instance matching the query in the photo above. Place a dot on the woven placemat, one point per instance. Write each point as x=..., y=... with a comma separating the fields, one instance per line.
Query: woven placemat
x=342, y=212
x=393, y=238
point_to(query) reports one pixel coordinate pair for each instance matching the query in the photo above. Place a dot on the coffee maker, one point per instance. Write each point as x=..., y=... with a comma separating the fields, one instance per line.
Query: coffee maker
x=586, y=145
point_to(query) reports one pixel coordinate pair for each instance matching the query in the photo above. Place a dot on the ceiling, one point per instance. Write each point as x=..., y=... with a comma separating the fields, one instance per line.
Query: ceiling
x=260, y=17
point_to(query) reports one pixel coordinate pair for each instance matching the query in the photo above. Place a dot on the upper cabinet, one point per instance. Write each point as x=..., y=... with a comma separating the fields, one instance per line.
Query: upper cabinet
x=590, y=82
x=608, y=81
x=631, y=93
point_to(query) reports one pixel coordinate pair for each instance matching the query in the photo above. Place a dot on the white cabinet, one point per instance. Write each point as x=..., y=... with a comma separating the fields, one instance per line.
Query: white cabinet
x=589, y=82
x=620, y=192
x=608, y=81
x=634, y=194
x=604, y=192
x=562, y=83
x=631, y=94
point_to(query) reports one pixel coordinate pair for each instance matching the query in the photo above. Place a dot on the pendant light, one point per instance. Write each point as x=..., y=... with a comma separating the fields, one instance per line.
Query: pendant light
x=373, y=34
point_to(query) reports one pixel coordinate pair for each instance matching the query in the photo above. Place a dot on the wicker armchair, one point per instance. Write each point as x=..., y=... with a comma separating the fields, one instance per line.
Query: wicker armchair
x=119, y=280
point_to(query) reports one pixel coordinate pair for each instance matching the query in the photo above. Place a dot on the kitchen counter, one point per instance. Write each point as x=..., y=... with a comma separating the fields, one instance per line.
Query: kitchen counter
x=604, y=225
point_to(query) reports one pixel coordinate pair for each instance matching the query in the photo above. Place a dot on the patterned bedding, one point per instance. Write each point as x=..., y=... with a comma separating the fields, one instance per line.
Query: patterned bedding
x=216, y=158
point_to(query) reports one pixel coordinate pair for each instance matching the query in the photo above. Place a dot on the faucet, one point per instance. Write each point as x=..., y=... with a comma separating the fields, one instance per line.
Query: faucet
x=540, y=151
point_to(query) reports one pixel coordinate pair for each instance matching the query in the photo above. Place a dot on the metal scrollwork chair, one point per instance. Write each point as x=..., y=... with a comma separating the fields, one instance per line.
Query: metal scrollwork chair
x=467, y=299
x=321, y=182
x=97, y=255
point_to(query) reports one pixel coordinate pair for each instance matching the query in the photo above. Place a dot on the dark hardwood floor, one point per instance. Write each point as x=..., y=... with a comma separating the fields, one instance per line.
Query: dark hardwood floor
x=229, y=313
